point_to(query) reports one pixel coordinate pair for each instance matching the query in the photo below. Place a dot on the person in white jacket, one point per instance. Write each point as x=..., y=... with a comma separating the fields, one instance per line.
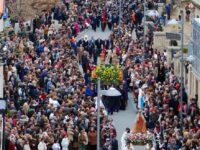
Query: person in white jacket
x=124, y=138
x=26, y=146
x=56, y=146
x=65, y=143
x=42, y=145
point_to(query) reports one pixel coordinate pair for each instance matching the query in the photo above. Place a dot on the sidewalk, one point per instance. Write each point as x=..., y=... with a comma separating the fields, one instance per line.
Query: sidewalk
x=187, y=25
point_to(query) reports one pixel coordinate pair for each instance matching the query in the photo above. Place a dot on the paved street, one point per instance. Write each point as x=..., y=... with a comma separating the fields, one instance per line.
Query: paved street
x=98, y=34
x=122, y=119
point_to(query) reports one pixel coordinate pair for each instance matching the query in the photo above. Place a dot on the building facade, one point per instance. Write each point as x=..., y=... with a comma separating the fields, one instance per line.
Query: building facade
x=194, y=67
x=196, y=7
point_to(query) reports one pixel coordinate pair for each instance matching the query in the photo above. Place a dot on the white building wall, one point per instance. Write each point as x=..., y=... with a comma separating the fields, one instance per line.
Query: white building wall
x=1, y=25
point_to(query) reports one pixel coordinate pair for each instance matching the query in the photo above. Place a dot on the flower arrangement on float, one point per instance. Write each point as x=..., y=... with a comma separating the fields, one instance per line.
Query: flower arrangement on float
x=110, y=74
x=140, y=138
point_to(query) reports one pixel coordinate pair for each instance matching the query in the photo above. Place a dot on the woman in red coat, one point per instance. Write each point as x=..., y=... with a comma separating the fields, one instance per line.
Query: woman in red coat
x=12, y=140
x=103, y=20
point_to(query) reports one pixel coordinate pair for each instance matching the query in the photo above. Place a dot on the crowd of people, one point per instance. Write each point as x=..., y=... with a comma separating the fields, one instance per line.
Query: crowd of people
x=48, y=106
x=156, y=89
x=51, y=103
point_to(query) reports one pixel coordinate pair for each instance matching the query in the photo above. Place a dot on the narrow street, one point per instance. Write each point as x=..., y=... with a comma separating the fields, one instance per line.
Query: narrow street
x=122, y=119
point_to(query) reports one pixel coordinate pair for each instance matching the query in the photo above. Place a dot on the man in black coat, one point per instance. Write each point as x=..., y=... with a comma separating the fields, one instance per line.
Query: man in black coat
x=114, y=144
x=80, y=42
x=90, y=47
x=161, y=73
x=98, y=19
x=85, y=43
x=94, y=22
x=107, y=44
x=107, y=145
x=185, y=96
x=84, y=62
x=95, y=54
x=123, y=98
x=98, y=43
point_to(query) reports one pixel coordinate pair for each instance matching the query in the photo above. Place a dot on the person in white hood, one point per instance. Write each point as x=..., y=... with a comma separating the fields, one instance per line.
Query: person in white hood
x=56, y=146
x=42, y=145
x=65, y=143
x=124, y=138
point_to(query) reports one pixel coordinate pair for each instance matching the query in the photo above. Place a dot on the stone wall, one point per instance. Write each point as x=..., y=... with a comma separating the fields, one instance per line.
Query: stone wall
x=28, y=9
x=160, y=42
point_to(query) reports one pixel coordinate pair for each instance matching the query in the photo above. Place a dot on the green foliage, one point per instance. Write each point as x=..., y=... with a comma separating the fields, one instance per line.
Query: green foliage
x=185, y=50
x=109, y=74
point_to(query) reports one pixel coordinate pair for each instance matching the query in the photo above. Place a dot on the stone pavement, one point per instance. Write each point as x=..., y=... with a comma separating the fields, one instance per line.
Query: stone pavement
x=98, y=34
x=124, y=119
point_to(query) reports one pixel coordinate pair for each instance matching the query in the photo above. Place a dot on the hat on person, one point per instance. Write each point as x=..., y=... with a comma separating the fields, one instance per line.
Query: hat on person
x=127, y=129
x=12, y=138
x=42, y=40
x=85, y=37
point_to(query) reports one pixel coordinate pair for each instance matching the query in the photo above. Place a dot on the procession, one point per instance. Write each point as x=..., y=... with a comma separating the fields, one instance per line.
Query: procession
x=63, y=87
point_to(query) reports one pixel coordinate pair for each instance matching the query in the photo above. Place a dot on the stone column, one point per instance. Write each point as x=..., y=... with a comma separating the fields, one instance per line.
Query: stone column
x=175, y=66
x=161, y=7
x=193, y=85
x=185, y=76
x=198, y=103
x=169, y=56
x=169, y=53
x=189, y=81
x=159, y=41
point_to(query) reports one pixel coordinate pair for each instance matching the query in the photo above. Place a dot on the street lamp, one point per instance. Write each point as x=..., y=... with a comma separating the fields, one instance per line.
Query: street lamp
x=174, y=22
x=3, y=49
x=187, y=61
x=120, y=15
x=98, y=112
x=2, y=123
x=182, y=34
x=144, y=39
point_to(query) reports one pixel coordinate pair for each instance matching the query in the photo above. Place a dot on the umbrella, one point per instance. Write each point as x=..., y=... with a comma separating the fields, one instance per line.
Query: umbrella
x=190, y=58
x=153, y=13
x=111, y=92
x=85, y=37
x=173, y=22
x=103, y=92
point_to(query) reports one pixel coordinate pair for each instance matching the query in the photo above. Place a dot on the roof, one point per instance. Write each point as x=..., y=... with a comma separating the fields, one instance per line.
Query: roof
x=196, y=2
x=196, y=22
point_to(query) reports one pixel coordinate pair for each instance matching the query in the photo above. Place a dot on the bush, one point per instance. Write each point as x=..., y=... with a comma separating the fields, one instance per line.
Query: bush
x=185, y=50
